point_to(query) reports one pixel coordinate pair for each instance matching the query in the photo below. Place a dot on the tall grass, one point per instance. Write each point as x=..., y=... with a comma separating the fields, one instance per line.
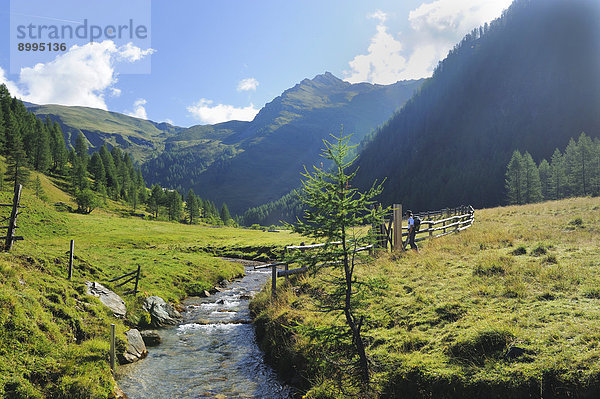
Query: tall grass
x=506, y=308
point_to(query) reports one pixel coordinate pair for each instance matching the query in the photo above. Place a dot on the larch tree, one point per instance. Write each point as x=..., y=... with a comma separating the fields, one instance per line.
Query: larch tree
x=332, y=209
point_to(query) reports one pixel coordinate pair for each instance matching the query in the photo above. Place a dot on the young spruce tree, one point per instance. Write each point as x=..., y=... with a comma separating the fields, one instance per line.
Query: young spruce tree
x=333, y=209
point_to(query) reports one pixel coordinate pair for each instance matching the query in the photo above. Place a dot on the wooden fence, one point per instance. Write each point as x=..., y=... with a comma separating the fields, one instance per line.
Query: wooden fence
x=12, y=220
x=439, y=223
x=451, y=220
x=134, y=275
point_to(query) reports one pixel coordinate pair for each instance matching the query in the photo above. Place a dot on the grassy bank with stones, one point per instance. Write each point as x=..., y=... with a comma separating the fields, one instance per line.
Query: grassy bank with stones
x=54, y=339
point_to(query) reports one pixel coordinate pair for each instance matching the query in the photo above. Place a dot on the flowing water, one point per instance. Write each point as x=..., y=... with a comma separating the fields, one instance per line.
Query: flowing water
x=212, y=354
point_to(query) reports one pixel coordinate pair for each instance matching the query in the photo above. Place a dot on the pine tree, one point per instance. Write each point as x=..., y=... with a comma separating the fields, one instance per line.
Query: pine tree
x=58, y=147
x=333, y=208
x=175, y=205
x=225, y=215
x=533, y=187
x=595, y=179
x=585, y=157
x=96, y=168
x=43, y=155
x=16, y=158
x=4, y=114
x=142, y=192
x=112, y=182
x=557, y=176
x=515, y=179
x=191, y=206
x=38, y=190
x=545, y=178
x=86, y=200
x=81, y=149
x=79, y=180
x=155, y=200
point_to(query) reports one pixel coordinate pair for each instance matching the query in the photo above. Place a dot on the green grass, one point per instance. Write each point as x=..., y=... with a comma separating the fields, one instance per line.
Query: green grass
x=53, y=337
x=522, y=277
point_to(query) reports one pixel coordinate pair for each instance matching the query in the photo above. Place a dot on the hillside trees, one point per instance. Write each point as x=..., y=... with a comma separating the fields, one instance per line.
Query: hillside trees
x=574, y=173
x=28, y=142
x=528, y=87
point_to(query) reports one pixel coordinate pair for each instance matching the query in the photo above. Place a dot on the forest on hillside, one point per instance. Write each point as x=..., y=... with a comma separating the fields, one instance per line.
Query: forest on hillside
x=30, y=143
x=527, y=81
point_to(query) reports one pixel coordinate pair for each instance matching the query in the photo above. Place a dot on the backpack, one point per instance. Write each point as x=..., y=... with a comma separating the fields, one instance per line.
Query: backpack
x=417, y=223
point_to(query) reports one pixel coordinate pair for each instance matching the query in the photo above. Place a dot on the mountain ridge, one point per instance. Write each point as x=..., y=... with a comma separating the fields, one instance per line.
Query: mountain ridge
x=527, y=81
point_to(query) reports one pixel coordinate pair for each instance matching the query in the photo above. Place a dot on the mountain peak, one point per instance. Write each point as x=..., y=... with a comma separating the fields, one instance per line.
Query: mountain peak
x=327, y=78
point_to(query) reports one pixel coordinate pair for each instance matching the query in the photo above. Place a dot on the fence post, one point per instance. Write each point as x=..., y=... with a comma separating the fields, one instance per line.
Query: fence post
x=397, y=227
x=430, y=229
x=113, y=365
x=12, y=223
x=137, y=278
x=273, y=283
x=72, y=248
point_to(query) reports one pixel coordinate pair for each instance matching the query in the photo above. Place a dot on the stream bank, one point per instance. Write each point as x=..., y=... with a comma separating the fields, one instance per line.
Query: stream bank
x=212, y=353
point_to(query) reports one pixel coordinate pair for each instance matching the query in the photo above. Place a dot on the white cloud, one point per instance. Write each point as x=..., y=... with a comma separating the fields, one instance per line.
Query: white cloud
x=384, y=62
x=208, y=113
x=9, y=85
x=81, y=76
x=380, y=15
x=169, y=121
x=247, y=84
x=436, y=27
x=139, y=111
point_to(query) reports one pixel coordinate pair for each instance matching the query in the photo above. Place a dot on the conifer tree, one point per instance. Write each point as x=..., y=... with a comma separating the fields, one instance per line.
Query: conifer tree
x=225, y=215
x=333, y=208
x=57, y=146
x=81, y=149
x=533, y=187
x=191, y=206
x=595, y=179
x=155, y=200
x=175, y=205
x=515, y=179
x=112, y=182
x=16, y=158
x=96, y=168
x=43, y=155
x=545, y=178
x=557, y=175
x=79, y=181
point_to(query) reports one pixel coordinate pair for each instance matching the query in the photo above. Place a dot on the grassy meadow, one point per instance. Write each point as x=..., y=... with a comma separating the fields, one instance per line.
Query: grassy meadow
x=507, y=308
x=53, y=337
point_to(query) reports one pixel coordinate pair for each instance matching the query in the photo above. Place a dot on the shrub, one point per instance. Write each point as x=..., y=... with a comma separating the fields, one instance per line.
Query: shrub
x=488, y=343
x=489, y=270
x=539, y=250
x=521, y=250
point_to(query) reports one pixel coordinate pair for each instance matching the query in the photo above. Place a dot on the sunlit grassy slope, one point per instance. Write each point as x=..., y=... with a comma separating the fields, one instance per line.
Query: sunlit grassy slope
x=53, y=337
x=508, y=308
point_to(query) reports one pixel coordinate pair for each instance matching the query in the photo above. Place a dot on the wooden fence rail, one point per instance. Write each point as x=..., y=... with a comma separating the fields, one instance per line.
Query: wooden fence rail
x=452, y=220
x=12, y=220
x=134, y=275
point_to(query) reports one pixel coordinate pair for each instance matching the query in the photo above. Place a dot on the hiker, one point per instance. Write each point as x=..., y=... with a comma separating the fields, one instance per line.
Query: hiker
x=412, y=230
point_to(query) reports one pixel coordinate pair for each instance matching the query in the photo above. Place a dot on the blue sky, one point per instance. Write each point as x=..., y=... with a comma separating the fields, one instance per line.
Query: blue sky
x=210, y=61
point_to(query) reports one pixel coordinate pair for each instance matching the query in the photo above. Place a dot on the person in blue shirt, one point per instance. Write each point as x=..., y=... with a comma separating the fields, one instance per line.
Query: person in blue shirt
x=411, y=232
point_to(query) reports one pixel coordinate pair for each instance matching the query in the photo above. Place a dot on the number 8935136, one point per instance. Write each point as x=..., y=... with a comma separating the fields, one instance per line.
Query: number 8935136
x=42, y=46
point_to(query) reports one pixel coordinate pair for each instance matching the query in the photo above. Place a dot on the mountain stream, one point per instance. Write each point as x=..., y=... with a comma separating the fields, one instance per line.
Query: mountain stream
x=212, y=354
